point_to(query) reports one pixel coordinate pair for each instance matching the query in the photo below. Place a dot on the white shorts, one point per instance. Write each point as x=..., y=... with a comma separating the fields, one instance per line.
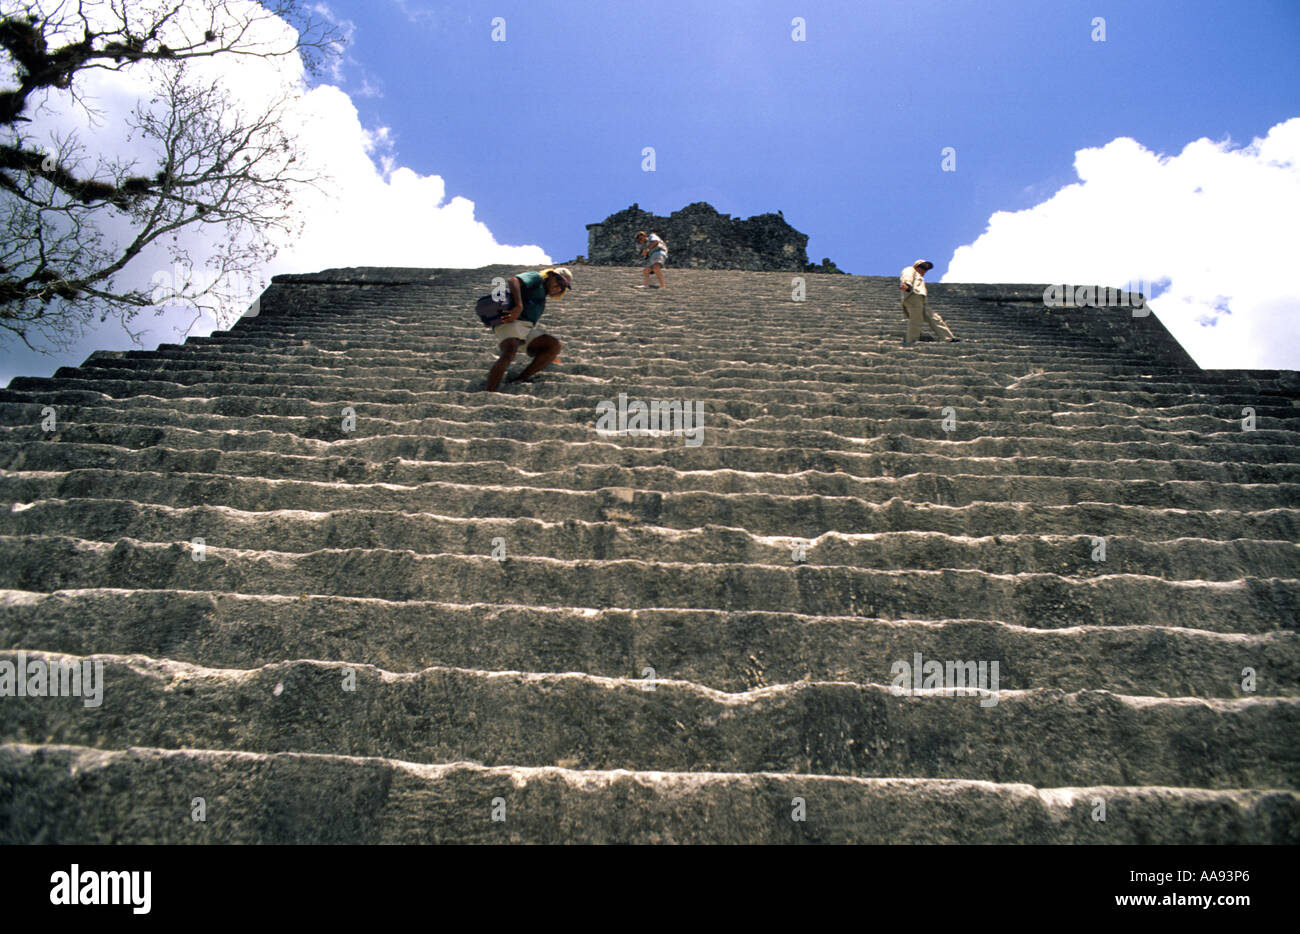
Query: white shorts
x=519, y=329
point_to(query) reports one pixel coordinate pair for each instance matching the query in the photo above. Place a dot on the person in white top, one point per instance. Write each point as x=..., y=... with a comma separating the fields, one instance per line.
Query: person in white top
x=652, y=246
x=915, y=305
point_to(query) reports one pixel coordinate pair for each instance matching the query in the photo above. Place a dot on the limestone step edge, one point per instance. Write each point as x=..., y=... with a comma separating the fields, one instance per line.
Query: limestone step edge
x=168, y=676
x=322, y=798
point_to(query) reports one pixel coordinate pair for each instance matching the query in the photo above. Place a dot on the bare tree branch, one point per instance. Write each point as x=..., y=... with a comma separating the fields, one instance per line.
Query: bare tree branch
x=69, y=227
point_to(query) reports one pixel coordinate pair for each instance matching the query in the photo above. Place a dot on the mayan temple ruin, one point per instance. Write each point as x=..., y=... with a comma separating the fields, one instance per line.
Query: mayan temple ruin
x=700, y=237
x=316, y=586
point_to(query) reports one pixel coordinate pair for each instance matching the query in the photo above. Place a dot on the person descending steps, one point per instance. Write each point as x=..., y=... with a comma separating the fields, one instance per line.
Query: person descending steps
x=652, y=246
x=916, y=308
x=514, y=322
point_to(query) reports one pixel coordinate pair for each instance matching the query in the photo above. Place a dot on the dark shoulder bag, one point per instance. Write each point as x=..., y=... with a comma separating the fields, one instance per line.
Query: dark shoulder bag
x=492, y=312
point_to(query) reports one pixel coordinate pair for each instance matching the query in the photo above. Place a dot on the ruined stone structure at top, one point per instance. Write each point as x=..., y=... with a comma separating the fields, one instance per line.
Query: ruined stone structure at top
x=698, y=237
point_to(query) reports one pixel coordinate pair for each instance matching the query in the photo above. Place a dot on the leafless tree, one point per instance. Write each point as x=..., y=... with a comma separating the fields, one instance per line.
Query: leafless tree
x=70, y=225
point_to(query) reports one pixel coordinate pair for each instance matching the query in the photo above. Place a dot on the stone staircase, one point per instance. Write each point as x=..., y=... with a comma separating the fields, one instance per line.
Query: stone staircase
x=341, y=595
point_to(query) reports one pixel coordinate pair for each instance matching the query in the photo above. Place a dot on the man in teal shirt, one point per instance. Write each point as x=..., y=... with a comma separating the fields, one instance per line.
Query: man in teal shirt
x=519, y=327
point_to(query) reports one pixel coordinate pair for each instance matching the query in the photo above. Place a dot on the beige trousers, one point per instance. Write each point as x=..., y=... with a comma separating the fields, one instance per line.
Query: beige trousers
x=918, y=313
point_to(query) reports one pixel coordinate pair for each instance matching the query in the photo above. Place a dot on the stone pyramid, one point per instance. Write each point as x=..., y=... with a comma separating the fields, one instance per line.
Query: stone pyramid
x=338, y=594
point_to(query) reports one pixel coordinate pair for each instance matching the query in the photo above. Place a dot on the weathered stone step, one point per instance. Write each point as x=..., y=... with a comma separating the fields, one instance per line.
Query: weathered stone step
x=977, y=520
x=1226, y=449
x=77, y=795
x=834, y=474
x=579, y=386
x=456, y=330
x=1012, y=374
x=763, y=513
x=594, y=345
x=333, y=346
x=731, y=316
x=1039, y=737
x=600, y=349
x=455, y=327
x=526, y=425
x=1044, y=600
x=301, y=532
x=287, y=388
x=886, y=369
x=725, y=316
x=607, y=321
x=597, y=348
x=727, y=651
x=455, y=314
x=320, y=401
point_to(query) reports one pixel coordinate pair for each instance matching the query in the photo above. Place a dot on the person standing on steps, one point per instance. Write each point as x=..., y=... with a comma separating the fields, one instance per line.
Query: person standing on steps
x=915, y=307
x=519, y=327
x=657, y=251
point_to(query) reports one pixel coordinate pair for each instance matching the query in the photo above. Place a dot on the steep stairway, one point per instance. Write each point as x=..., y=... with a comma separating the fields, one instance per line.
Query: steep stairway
x=340, y=594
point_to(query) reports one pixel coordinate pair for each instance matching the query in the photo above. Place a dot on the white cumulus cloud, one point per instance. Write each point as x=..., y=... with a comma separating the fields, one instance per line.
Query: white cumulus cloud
x=1213, y=226
x=381, y=215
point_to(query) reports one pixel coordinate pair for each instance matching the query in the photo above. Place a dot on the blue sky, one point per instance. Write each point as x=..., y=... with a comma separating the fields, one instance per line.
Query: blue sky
x=1167, y=155
x=843, y=132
